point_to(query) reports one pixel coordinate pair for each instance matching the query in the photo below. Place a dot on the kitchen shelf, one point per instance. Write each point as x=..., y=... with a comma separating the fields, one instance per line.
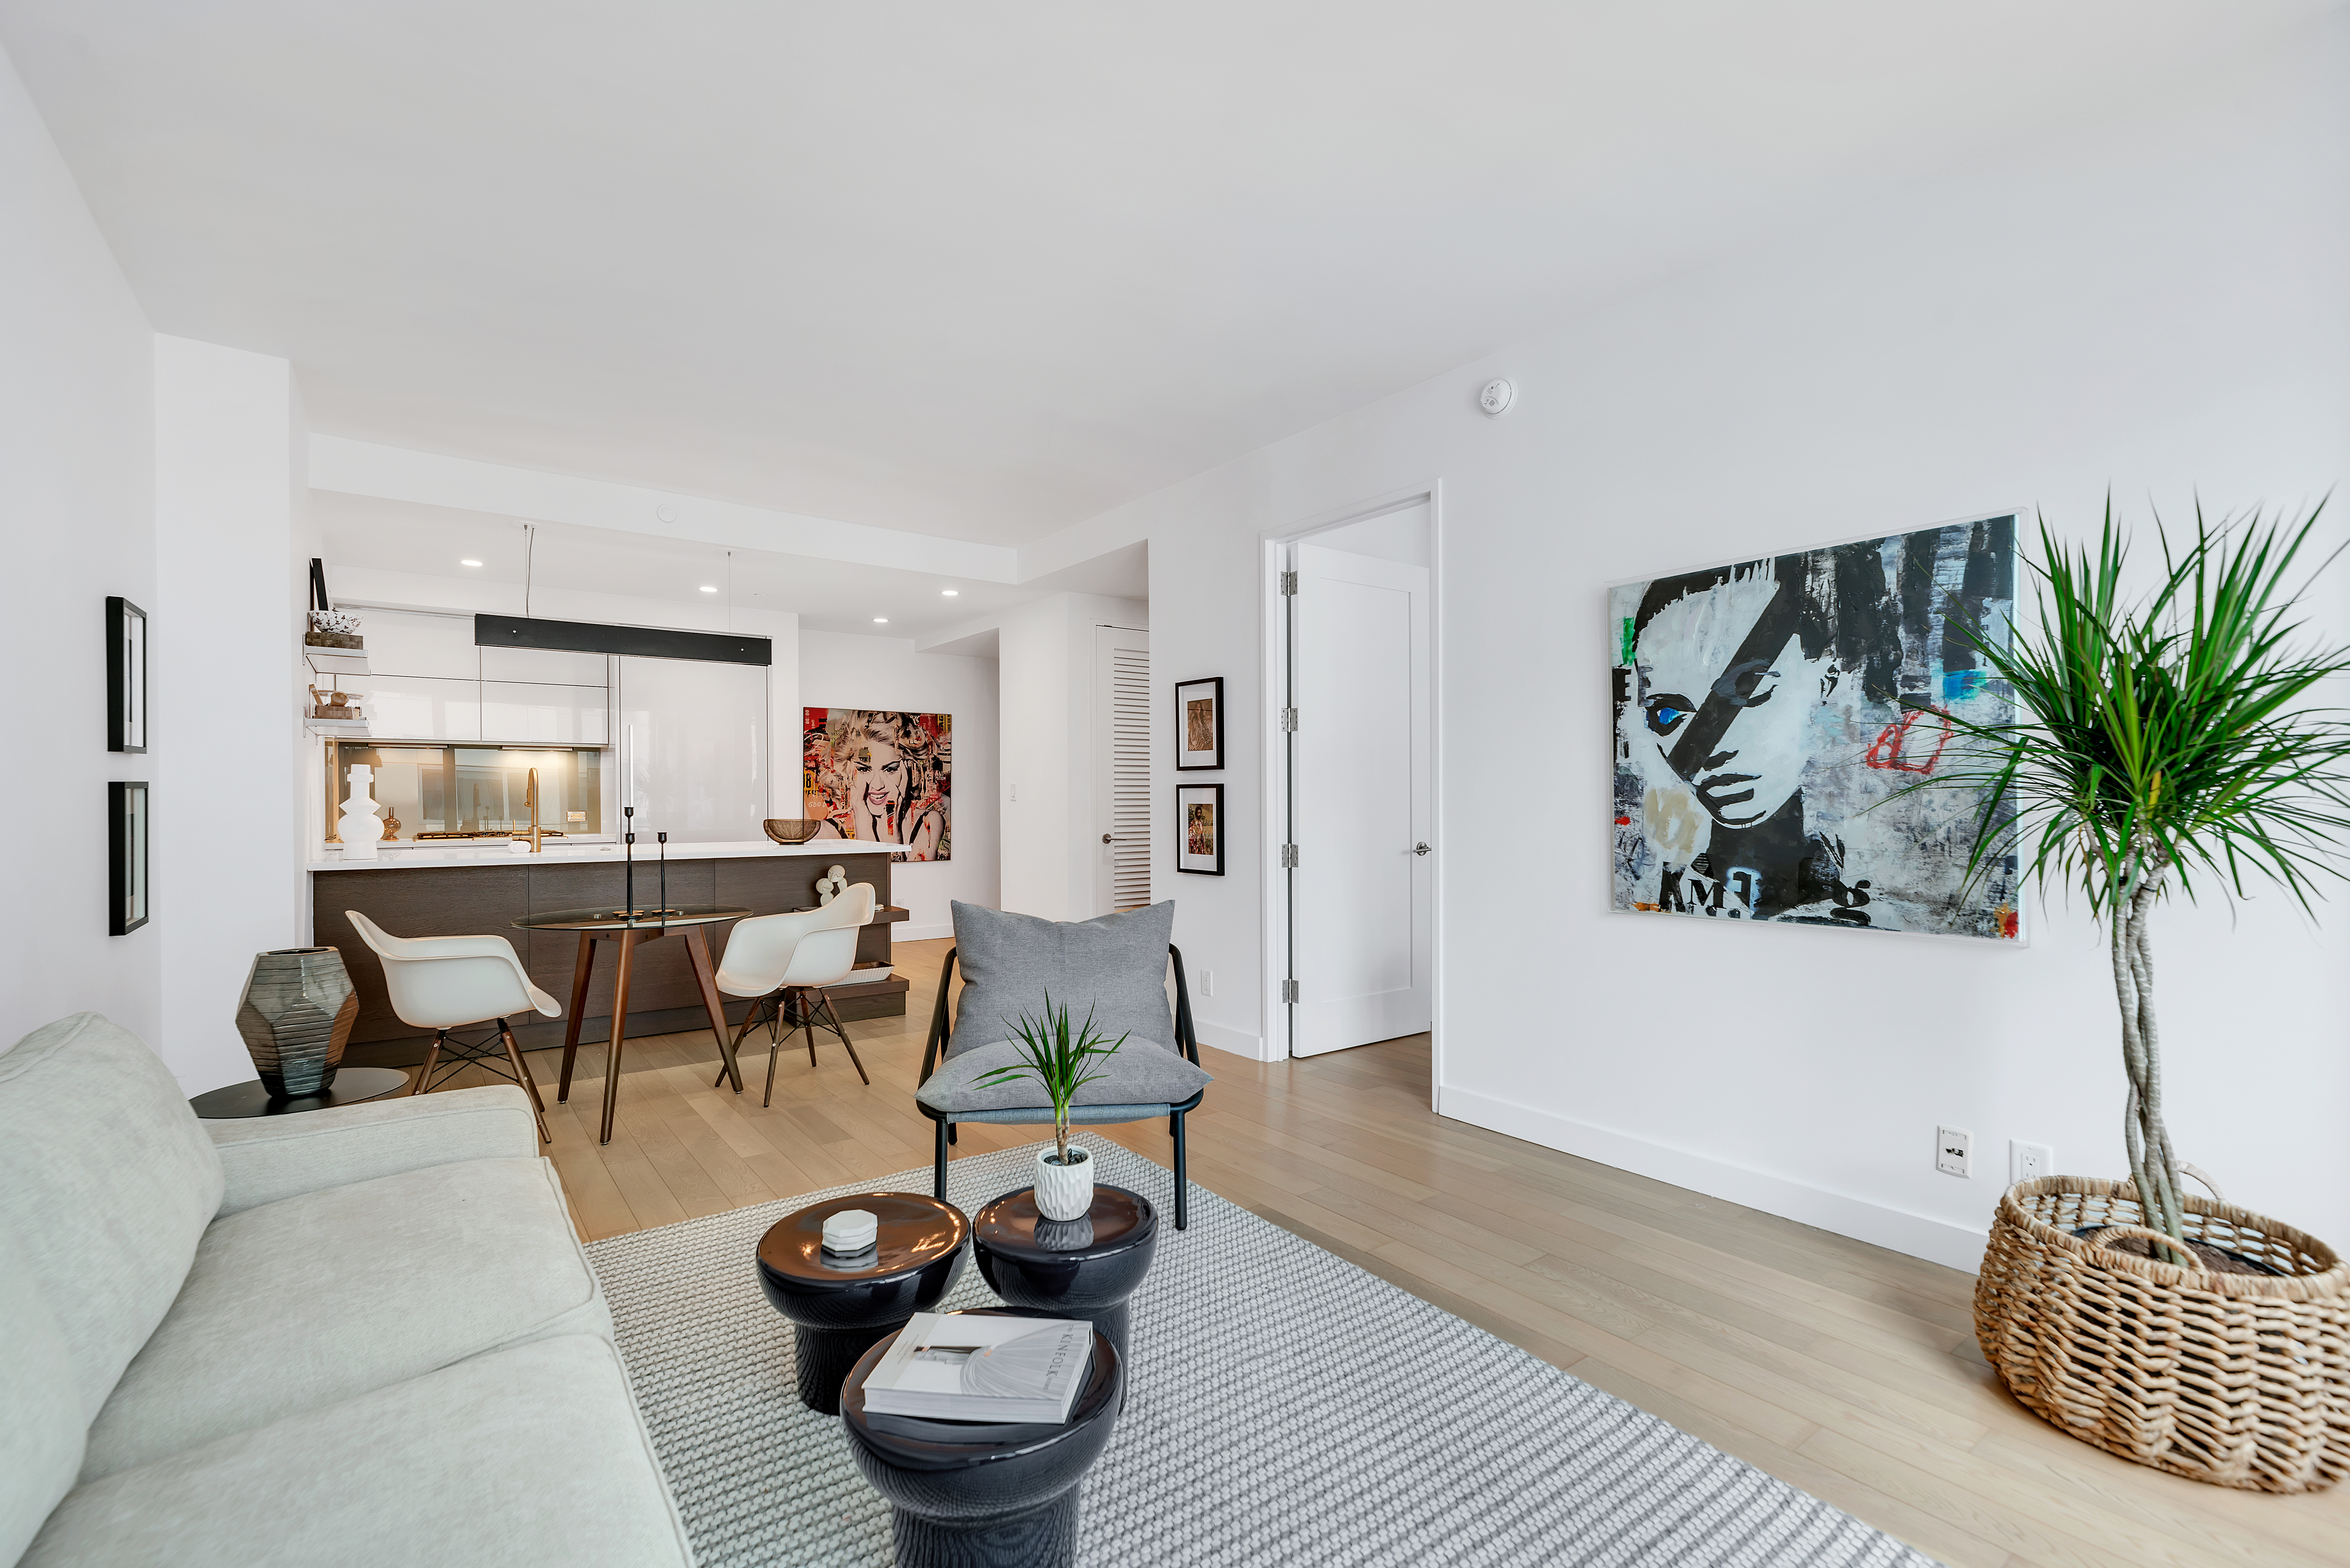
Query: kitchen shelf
x=346, y=729
x=337, y=661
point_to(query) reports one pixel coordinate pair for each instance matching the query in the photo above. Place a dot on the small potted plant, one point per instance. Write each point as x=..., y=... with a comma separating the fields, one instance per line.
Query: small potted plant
x=1058, y=1055
x=2161, y=746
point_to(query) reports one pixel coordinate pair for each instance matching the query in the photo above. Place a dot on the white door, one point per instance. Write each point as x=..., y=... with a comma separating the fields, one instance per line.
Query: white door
x=1122, y=767
x=1359, y=898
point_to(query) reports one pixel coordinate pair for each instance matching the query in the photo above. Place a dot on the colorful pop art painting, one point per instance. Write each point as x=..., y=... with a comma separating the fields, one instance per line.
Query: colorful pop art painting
x=1768, y=714
x=881, y=776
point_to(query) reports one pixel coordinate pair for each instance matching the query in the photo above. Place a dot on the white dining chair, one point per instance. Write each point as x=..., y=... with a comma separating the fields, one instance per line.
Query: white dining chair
x=785, y=961
x=454, y=985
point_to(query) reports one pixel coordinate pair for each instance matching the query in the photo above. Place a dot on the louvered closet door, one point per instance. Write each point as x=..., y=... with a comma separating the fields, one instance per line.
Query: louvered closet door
x=1122, y=672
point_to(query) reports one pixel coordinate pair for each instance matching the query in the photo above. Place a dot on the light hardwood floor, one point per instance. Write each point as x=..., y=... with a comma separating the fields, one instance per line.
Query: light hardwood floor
x=1849, y=1371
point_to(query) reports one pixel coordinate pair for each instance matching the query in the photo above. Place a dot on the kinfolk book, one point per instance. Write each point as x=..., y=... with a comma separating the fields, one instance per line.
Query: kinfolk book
x=966, y=1366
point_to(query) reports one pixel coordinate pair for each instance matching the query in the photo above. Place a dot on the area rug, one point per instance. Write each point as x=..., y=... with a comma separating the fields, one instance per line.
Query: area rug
x=1284, y=1407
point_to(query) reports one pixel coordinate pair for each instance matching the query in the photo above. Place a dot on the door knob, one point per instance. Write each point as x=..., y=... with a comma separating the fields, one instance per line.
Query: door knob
x=1419, y=850
x=1105, y=838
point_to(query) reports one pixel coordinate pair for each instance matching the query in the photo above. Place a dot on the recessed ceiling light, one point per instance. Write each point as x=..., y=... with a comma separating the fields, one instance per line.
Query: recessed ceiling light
x=708, y=589
x=949, y=592
x=469, y=563
x=880, y=620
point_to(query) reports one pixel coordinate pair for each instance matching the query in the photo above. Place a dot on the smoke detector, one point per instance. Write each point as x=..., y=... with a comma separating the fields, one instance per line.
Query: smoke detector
x=1495, y=398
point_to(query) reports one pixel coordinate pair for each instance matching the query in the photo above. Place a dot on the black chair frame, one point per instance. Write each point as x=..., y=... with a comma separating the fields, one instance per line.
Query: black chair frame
x=1187, y=1040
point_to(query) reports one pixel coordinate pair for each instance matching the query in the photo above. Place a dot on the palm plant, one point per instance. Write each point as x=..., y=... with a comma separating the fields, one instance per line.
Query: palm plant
x=2157, y=741
x=1056, y=1053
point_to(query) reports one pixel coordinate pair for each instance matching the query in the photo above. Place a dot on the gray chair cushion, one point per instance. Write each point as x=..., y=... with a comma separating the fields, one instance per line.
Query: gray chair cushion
x=527, y=1458
x=106, y=1181
x=313, y=1300
x=1139, y=1075
x=1116, y=966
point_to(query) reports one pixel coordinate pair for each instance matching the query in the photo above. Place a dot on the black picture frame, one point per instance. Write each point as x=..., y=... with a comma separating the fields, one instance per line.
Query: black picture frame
x=126, y=675
x=1211, y=689
x=129, y=895
x=1187, y=796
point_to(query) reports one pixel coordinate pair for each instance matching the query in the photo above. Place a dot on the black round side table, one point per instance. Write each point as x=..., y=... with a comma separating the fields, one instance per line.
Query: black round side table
x=351, y=1086
x=972, y=1495
x=1082, y=1268
x=839, y=1306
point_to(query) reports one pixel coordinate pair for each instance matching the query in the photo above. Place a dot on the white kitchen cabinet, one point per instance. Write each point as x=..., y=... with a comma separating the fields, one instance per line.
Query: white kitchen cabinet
x=543, y=666
x=405, y=642
x=694, y=748
x=421, y=708
x=539, y=713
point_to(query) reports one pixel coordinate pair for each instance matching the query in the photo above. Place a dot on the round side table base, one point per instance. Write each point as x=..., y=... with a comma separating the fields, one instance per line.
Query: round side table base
x=1043, y=1537
x=822, y=1359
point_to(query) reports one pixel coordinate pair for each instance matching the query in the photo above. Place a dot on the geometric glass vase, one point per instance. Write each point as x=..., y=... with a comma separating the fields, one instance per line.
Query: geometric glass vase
x=296, y=1016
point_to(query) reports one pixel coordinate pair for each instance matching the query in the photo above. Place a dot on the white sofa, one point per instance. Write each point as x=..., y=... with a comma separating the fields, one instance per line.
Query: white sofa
x=362, y=1335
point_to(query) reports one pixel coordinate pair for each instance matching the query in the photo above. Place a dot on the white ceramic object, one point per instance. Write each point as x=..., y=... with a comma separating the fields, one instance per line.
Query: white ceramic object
x=361, y=829
x=851, y=1231
x=1065, y=1191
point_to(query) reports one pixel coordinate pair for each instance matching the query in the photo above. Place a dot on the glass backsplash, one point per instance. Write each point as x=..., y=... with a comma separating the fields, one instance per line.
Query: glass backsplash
x=437, y=794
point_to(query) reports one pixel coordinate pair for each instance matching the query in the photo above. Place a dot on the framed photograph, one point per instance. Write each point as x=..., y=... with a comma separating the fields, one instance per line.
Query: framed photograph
x=1199, y=828
x=125, y=806
x=125, y=676
x=1199, y=724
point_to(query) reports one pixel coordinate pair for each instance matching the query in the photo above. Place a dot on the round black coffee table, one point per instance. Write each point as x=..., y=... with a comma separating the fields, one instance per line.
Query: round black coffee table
x=351, y=1086
x=1069, y=1268
x=969, y=1495
x=839, y=1306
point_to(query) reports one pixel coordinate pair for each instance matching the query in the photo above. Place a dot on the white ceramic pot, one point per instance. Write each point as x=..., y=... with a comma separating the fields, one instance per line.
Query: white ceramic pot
x=1065, y=1191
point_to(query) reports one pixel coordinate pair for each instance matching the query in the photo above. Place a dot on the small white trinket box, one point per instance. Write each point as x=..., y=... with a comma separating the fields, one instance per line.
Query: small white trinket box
x=851, y=1231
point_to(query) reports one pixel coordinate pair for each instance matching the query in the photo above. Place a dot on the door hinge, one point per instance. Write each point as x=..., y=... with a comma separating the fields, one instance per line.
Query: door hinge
x=1289, y=585
x=1289, y=719
x=1289, y=857
x=1289, y=990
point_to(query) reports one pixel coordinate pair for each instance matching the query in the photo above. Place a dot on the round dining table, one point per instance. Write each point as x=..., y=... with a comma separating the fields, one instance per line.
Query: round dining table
x=628, y=929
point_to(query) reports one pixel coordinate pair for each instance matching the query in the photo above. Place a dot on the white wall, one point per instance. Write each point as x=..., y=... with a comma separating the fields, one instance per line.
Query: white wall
x=76, y=523
x=838, y=671
x=2155, y=303
x=1051, y=836
x=231, y=568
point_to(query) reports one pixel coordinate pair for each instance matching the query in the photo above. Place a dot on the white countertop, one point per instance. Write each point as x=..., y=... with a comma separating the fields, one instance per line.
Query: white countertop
x=481, y=852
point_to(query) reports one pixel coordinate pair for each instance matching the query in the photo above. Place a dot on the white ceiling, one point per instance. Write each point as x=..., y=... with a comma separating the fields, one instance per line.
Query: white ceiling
x=828, y=595
x=983, y=271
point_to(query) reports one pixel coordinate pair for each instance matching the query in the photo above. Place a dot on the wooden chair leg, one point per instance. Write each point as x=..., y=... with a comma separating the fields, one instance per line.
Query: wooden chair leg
x=749, y=1020
x=807, y=1026
x=1182, y=1177
x=841, y=1029
x=431, y=1054
x=522, y=1073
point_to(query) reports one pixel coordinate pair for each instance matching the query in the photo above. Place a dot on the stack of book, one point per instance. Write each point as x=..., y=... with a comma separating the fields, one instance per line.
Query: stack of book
x=969, y=1366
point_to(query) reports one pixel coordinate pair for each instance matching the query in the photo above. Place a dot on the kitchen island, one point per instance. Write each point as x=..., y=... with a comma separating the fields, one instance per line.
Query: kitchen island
x=468, y=890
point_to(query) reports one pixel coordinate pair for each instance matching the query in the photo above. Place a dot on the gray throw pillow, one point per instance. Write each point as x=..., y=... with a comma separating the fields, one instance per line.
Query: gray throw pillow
x=1137, y=1073
x=1116, y=966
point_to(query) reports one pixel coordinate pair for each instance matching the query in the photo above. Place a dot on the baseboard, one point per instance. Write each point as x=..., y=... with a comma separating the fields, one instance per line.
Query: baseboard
x=1238, y=1041
x=1936, y=1240
x=910, y=932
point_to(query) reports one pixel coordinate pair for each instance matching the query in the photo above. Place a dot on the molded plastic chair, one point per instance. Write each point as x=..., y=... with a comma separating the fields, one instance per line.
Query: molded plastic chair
x=785, y=961
x=450, y=983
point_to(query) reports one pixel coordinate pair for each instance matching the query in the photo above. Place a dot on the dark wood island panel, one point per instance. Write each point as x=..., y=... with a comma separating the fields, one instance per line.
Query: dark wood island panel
x=486, y=900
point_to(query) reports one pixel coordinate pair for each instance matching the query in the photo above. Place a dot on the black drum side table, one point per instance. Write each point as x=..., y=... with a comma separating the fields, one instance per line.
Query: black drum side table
x=1084, y=1268
x=839, y=1306
x=250, y=1098
x=966, y=1494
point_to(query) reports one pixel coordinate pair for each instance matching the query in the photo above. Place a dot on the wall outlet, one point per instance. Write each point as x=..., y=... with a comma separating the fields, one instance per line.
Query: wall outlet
x=2029, y=1161
x=1954, y=1151
x=1207, y=982
x=1015, y=792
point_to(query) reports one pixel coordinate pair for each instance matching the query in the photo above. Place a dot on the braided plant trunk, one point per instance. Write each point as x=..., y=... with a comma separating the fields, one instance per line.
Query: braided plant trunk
x=2154, y=1165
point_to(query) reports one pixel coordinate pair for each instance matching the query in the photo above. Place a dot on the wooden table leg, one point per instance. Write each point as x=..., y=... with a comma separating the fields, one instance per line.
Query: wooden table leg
x=619, y=1030
x=580, y=976
x=697, y=950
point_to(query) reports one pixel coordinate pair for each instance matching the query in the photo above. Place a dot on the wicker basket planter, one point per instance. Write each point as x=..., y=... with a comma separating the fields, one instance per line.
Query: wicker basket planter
x=2236, y=1380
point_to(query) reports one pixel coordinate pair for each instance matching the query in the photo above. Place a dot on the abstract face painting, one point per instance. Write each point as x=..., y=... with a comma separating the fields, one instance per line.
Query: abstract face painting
x=1768, y=713
x=880, y=775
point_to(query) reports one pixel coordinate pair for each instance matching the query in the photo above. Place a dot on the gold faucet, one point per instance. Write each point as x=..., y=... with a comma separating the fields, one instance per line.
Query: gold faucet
x=530, y=799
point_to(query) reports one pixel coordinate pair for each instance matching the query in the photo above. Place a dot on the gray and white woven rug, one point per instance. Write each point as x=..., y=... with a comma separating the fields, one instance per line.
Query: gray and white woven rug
x=1284, y=1407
